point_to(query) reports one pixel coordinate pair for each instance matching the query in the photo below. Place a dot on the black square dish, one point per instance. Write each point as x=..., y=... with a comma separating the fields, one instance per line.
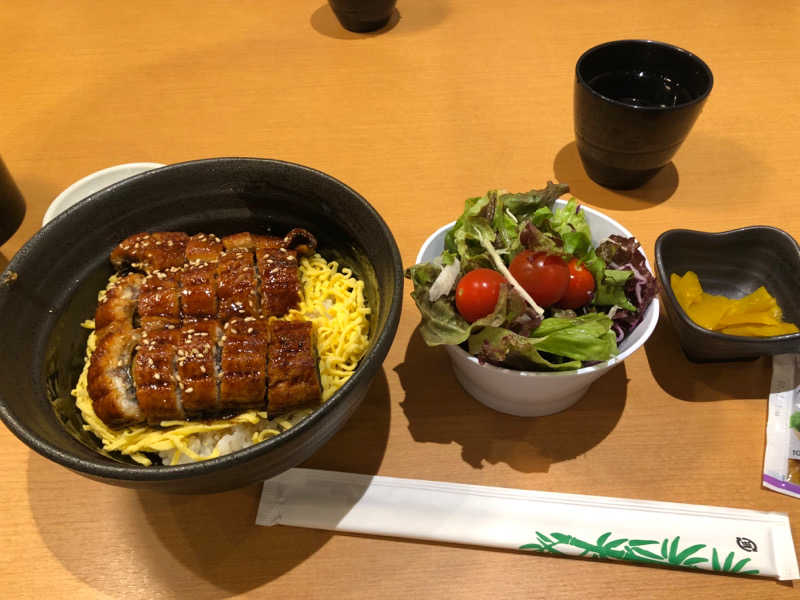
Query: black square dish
x=733, y=264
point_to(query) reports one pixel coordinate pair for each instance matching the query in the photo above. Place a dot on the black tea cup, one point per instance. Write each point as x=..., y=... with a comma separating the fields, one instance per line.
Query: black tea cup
x=12, y=205
x=362, y=16
x=635, y=102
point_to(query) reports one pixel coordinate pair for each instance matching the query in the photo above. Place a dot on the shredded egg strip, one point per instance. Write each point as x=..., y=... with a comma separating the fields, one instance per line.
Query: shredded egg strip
x=332, y=299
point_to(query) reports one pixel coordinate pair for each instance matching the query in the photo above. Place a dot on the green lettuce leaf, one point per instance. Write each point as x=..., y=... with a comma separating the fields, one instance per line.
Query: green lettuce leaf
x=584, y=338
x=472, y=208
x=505, y=214
x=570, y=224
x=524, y=205
x=448, y=258
x=469, y=241
x=611, y=289
x=506, y=224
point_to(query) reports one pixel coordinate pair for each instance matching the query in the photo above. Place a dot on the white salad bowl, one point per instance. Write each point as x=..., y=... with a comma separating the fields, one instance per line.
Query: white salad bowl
x=537, y=393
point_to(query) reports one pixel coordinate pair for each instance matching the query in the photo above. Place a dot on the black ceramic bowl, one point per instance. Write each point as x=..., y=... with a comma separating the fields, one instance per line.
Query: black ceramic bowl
x=733, y=264
x=51, y=285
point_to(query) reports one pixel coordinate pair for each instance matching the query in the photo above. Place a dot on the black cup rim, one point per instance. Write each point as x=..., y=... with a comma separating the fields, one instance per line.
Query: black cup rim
x=665, y=45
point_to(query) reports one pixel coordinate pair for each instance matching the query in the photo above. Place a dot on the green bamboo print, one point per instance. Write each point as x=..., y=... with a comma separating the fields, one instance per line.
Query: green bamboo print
x=634, y=550
x=728, y=566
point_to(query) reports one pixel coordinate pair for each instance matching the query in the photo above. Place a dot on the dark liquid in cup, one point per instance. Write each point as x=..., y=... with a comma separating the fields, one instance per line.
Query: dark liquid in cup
x=640, y=88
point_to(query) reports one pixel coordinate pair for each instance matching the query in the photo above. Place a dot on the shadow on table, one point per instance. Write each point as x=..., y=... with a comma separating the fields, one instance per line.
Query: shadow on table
x=568, y=169
x=439, y=411
x=416, y=15
x=703, y=382
x=38, y=191
x=210, y=542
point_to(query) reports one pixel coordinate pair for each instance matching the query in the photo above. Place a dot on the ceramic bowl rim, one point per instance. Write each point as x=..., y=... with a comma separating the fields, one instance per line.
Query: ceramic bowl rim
x=56, y=207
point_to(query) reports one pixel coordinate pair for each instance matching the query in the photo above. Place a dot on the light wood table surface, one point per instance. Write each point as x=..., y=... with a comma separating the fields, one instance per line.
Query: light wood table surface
x=453, y=99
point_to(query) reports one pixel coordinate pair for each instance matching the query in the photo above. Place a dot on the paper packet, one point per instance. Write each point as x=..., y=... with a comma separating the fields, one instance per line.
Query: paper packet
x=725, y=540
x=782, y=455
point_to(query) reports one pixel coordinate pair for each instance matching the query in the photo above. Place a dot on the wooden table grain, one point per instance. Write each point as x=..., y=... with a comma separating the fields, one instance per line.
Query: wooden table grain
x=450, y=100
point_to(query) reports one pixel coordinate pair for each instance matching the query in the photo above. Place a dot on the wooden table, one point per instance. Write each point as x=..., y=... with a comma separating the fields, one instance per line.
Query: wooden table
x=453, y=99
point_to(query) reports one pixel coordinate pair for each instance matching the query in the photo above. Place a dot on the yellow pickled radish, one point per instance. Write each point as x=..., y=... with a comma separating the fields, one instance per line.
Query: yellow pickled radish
x=753, y=330
x=759, y=302
x=708, y=310
x=755, y=315
x=687, y=289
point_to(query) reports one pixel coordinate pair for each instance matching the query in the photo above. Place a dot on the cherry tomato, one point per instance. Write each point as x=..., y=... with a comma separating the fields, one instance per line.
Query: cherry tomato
x=580, y=288
x=477, y=292
x=544, y=276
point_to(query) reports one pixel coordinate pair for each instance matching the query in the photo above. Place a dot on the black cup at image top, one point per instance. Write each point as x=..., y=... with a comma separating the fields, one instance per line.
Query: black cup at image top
x=362, y=16
x=635, y=101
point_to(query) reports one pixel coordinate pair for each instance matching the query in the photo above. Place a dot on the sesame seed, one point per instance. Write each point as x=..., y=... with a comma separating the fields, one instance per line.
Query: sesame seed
x=189, y=390
x=158, y=376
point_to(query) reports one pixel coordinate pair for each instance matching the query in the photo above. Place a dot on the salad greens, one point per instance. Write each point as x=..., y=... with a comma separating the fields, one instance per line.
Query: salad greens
x=518, y=333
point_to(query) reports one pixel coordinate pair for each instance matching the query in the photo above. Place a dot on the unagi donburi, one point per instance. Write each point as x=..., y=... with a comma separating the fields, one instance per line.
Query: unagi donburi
x=203, y=345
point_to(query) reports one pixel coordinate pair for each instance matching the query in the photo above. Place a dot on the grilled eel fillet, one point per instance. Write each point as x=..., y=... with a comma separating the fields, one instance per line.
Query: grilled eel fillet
x=189, y=336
